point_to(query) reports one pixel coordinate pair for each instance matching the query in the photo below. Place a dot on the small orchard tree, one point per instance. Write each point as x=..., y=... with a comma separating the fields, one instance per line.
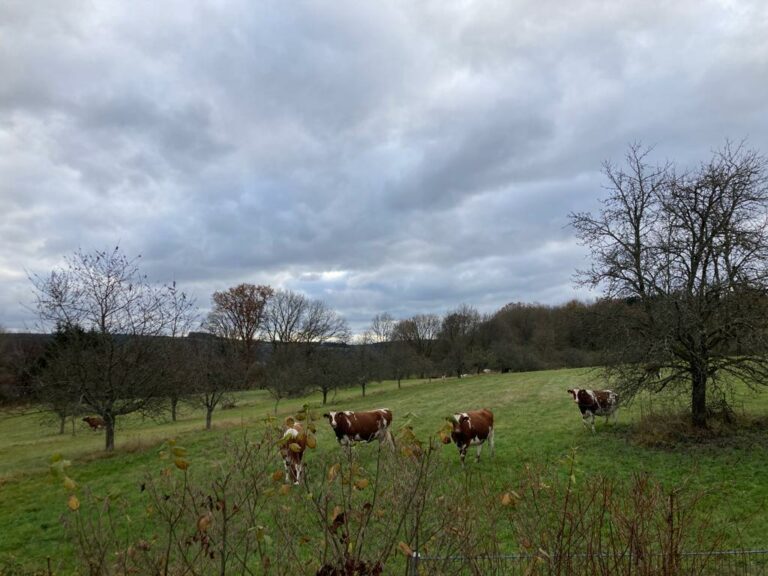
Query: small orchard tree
x=183, y=315
x=288, y=373
x=56, y=375
x=687, y=256
x=212, y=371
x=115, y=358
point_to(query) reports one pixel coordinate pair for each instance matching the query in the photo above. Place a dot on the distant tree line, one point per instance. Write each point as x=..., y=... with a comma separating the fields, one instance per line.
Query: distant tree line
x=119, y=345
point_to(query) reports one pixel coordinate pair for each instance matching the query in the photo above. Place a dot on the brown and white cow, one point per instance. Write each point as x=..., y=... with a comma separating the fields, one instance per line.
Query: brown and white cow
x=95, y=422
x=472, y=429
x=362, y=426
x=292, y=458
x=595, y=403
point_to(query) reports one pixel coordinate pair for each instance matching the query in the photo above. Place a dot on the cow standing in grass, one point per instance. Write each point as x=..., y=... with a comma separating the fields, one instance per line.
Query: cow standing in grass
x=293, y=445
x=362, y=426
x=472, y=429
x=95, y=422
x=595, y=403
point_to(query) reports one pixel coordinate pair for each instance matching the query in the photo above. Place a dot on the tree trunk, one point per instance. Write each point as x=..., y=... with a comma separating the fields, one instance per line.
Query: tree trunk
x=398, y=382
x=109, y=424
x=325, y=395
x=208, y=417
x=363, y=387
x=699, y=396
x=174, y=405
x=62, y=422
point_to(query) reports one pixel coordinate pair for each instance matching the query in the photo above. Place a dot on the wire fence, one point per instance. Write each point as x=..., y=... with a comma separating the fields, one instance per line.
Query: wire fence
x=710, y=563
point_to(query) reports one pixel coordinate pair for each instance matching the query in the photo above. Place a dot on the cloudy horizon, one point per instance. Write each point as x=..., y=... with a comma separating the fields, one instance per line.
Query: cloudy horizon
x=402, y=157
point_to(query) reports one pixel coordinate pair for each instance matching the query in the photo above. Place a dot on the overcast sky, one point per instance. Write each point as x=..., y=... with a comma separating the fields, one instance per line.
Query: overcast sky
x=401, y=157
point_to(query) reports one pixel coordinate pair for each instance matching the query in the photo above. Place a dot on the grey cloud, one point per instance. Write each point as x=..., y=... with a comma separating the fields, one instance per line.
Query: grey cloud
x=402, y=157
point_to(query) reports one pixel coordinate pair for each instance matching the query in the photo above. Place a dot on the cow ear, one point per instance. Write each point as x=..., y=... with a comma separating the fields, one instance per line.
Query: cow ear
x=463, y=418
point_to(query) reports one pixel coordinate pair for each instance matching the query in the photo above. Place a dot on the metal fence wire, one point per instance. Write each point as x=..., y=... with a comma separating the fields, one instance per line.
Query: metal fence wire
x=711, y=563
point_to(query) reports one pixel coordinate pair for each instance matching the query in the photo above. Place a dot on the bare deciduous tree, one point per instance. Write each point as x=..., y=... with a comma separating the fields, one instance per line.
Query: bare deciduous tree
x=183, y=314
x=293, y=318
x=382, y=328
x=458, y=332
x=117, y=363
x=211, y=371
x=688, y=254
x=420, y=332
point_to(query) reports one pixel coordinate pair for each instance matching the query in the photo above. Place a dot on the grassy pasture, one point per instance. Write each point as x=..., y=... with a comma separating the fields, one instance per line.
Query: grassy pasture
x=536, y=422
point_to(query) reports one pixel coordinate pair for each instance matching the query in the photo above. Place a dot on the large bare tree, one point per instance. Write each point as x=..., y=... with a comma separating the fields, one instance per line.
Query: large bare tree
x=118, y=321
x=686, y=254
x=420, y=332
x=292, y=318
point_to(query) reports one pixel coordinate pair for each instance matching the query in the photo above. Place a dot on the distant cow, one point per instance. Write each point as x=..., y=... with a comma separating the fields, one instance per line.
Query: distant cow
x=361, y=426
x=595, y=403
x=292, y=448
x=95, y=422
x=472, y=429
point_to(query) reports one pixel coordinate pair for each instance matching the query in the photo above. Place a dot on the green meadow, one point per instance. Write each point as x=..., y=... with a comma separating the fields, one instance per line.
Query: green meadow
x=536, y=423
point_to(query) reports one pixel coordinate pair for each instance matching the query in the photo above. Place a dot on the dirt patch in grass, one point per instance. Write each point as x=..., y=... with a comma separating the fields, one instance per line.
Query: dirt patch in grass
x=674, y=430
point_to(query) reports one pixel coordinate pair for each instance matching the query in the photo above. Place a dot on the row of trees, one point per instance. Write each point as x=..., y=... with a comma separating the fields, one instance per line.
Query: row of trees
x=121, y=345
x=682, y=258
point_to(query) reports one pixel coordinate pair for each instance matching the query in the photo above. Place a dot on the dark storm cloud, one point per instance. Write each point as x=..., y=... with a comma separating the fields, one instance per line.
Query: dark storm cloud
x=402, y=157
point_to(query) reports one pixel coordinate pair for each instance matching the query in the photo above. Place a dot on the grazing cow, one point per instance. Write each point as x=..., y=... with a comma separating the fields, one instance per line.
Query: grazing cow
x=362, y=426
x=472, y=429
x=595, y=403
x=293, y=438
x=95, y=422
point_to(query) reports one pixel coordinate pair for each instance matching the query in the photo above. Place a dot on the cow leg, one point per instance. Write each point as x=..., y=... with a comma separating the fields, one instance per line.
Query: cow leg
x=592, y=421
x=479, y=449
x=462, y=453
x=297, y=469
x=287, y=471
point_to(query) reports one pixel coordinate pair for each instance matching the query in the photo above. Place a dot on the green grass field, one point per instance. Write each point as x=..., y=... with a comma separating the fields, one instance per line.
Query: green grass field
x=536, y=422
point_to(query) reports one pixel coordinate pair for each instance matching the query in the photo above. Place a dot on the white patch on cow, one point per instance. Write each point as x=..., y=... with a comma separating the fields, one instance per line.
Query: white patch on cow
x=347, y=413
x=333, y=419
x=291, y=433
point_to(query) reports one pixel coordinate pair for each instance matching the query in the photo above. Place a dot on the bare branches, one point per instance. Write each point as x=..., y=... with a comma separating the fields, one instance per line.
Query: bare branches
x=692, y=250
x=111, y=321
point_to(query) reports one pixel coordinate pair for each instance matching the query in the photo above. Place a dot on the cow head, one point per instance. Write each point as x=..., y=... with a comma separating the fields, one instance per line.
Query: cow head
x=460, y=420
x=574, y=393
x=331, y=418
